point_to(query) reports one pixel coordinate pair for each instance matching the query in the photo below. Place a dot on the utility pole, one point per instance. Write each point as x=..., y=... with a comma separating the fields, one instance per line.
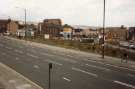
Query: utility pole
x=103, y=44
x=49, y=83
x=25, y=19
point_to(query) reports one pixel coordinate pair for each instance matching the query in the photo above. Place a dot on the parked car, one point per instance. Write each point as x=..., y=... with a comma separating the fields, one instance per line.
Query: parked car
x=124, y=44
x=132, y=46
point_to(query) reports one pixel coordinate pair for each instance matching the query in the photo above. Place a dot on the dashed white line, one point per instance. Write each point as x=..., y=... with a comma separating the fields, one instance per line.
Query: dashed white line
x=101, y=68
x=4, y=54
x=46, y=54
x=16, y=58
x=120, y=67
x=131, y=75
x=8, y=47
x=18, y=51
x=60, y=58
x=89, y=73
x=68, y=80
x=125, y=84
x=54, y=62
x=36, y=66
x=125, y=68
x=31, y=55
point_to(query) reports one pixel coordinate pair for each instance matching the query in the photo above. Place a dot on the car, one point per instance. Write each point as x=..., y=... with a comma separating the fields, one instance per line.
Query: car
x=131, y=46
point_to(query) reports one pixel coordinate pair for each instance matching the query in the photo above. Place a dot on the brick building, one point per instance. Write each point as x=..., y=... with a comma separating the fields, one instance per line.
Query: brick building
x=3, y=25
x=12, y=27
x=131, y=34
x=116, y=33
x=52, y=27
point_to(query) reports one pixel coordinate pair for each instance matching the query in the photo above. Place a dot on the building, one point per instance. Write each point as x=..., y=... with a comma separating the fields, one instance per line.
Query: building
x=12, y=27
x=52, y=27
x=85, y=32
x=3, y=25
x=67, y=32
x=116, y=33
x=131, y=34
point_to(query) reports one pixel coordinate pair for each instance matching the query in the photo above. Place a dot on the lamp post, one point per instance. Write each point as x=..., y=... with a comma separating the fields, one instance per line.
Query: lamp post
x=103, y=44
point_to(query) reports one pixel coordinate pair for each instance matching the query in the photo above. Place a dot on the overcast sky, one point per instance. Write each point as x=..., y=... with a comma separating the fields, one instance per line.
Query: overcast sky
x=74, y=12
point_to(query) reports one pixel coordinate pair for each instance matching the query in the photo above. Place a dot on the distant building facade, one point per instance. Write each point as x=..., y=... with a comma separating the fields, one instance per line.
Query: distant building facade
x=12, y=27
x=67, y=32
x=116, y=33
x=131, y=34
x=52, y=27
x=3, y=25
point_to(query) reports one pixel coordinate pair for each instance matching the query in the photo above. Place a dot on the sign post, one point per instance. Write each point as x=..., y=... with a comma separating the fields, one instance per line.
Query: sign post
x=50, y=67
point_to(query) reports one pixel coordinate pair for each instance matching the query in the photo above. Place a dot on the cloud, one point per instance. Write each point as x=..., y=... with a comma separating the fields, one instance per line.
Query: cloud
x=86, y=12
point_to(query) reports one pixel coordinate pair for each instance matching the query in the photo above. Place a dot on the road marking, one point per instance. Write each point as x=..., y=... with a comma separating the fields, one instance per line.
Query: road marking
x=18, y=51
x=89, y=73
x=8, y=48
x=131, y=75
x=125, y=84
x=60, y=58
x=16, y=58
x=34, y=51
x=36, y=66
x=12, y=81
x=24, y=86
x=31, y=55
x=54, y=62
x=112, y=65
x=66, y=79
x=98, y=67
x=46, y=54
x=4, y=54
x=120, y=67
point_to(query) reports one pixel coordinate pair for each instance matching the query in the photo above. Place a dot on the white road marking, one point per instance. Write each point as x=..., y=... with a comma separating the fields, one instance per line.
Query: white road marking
x=12, y=81
x=54, y=62
x=34, y=51
x=16, y=58
x=89, y=73
x=125, y=84
x=66, y=79
x=36, y=66
x=98, y=67
x=4, y=54
x=8, y=48
x=60, y=58
x=120, y=67
x=18, y=51
x=131, y=75
x=31, y=55
x=24, y=86
x=46, y=54
x=112, y=65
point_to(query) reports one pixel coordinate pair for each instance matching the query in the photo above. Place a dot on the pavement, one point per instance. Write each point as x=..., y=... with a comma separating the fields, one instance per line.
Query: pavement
x=10, y=79
x=72, y=69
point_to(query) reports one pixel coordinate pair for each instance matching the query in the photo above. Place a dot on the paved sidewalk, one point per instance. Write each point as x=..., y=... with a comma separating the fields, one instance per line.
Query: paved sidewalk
x=91, y=56
x=10, y=79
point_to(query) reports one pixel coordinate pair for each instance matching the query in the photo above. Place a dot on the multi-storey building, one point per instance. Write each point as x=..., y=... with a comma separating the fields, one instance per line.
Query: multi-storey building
x=52, y=27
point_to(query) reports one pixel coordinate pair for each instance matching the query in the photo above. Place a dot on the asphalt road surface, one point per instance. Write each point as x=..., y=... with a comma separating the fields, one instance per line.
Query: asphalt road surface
x=70, y=71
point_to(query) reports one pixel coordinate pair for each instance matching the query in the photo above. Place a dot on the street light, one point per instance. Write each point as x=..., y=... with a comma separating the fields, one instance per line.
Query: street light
x=103, y=44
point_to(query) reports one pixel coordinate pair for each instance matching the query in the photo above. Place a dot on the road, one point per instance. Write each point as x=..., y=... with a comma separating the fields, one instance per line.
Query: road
x=70, y=71
x=130, y=52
